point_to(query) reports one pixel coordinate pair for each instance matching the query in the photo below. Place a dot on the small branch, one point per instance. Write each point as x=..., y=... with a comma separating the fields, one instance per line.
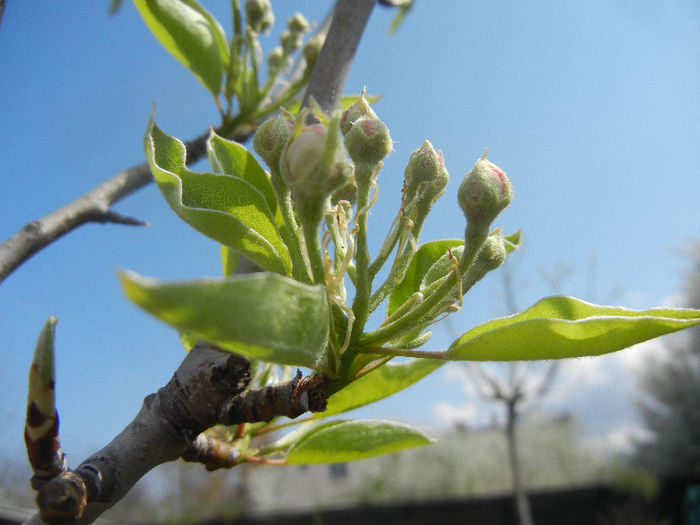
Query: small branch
x=290, y=399
x=94, y=206
x=209, y=388
x=333, y=63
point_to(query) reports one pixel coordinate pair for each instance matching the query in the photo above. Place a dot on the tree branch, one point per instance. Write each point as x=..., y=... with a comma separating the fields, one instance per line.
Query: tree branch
x=333, y=63
x=208, y=388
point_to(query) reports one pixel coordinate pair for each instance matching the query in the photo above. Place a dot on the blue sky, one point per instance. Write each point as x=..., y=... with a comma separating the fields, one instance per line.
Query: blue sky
x=592, y=108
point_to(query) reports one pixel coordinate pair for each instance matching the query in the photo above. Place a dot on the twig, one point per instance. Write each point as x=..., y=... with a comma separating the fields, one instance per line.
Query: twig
x=209, y=388
x=335, y=58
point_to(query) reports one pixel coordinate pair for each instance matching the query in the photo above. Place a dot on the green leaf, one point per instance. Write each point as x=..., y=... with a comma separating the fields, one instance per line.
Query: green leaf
x=229, y=260
x=378, y=384
x=262, y=315
x=340, y=441
x=228, y=157
x=191, y=35
x=226, y=208
x=560, y=327
x=512, y=241
x=426, y=255
x=345, y=102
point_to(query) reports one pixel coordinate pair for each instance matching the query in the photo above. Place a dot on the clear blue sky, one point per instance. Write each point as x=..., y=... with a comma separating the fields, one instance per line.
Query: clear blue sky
x=592, y=108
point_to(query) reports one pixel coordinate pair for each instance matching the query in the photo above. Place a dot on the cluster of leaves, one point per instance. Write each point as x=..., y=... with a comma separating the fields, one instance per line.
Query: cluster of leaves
x=304, y=223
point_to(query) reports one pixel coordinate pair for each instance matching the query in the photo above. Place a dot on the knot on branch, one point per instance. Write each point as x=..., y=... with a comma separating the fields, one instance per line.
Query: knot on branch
x=290, y=399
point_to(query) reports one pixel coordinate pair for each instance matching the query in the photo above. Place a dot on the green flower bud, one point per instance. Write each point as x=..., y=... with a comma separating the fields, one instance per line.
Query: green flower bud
x=425, y=176
x=357, y=110
x=368, y=141
x=313, y=163
x=298, y=24
x=492, y=253
x=259, y=15
x=276, y=60
x=484, y=193
x=313, y=48
x=270, y=139
x=290, y=41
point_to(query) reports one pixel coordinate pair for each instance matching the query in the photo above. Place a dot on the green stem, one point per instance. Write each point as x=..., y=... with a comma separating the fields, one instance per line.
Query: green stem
x=418, y=313
x=363, y=281
x=311, y=214
x=402, y=352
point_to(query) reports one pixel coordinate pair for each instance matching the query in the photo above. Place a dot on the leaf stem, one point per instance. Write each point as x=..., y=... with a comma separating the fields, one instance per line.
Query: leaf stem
x=404, y=352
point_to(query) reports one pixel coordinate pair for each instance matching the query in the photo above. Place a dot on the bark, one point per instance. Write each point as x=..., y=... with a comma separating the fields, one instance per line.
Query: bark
x=209, y=383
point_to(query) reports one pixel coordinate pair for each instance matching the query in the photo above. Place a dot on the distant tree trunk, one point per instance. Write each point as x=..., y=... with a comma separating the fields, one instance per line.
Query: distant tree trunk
x=522, y=504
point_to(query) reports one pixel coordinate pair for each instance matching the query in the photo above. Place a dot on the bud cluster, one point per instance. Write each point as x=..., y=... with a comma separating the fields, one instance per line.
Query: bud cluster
x=259, y=15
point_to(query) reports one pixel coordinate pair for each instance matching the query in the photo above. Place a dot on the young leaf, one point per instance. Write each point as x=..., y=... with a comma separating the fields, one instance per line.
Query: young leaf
x=378, y=384
x=191, y=35
x=226, y=208
x=560, y=327
x=228, y=157
x=262, y=315
x=426, y=255
x=340, y=441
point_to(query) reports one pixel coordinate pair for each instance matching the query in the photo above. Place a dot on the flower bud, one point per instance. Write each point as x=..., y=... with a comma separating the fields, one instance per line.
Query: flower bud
x=425, y=175
x=357, y=110
x=298, y=24
x=313, y=163
x=290, y=41
x=276, y=60
x=270, y=139
x=368, y=141
x=312, y=49
x=259, y=15
x=484, y=193
x=492, y=253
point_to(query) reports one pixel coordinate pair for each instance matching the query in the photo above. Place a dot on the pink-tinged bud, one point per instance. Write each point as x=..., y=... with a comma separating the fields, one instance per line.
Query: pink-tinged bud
x=484, y=193
x=425, y=175
x=259, y=15
x=303, y=154
x=357, y=110
x=368, y=141
x=271, y=138
x=313, y=164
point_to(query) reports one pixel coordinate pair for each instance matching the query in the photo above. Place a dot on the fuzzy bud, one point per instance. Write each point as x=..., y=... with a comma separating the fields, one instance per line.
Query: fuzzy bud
x=276, y=60
x=270, y=139
x=298, y=24
x=259, y=15
x=368, y=141
x=313, y=163
x=312, y=49
x=357, y=110
x=425, y=175
x=290, y=41
x=484, y=193
x=492, y=253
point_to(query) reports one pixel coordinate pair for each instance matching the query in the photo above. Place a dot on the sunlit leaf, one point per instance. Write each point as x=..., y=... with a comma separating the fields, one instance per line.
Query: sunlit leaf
x=231, y=158
x=378, y=384
x=226, y=208
x=426, y=255
x=560, y=327
x=191, y=35
x=340, y=441
x=261, y=315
